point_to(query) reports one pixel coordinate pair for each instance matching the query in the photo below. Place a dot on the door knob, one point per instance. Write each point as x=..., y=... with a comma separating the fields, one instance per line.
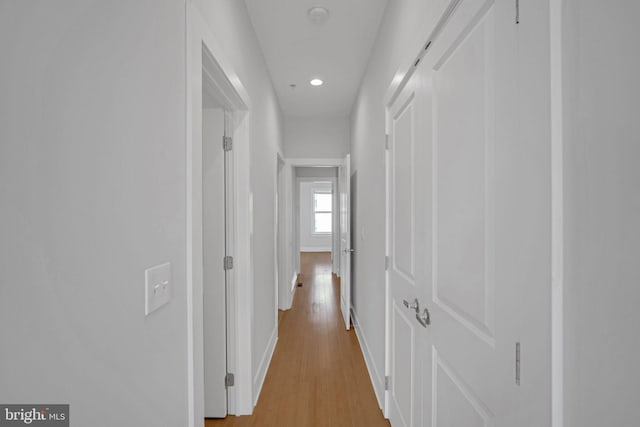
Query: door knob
x=415, y=305
x=425, y=318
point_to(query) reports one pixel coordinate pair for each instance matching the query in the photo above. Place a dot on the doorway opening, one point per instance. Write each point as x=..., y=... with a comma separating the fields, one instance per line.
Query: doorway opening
x=317, y=214
x=316, y=217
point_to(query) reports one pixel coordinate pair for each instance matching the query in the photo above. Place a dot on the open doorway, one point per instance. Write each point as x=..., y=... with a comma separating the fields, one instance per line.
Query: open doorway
x=316, y=219
x=325, y=236
x=310, y=212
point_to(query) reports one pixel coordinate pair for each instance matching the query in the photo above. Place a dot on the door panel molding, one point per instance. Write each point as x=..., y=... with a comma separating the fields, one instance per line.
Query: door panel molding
x=403, y=183
x=461, y=151
x=405, y=402
x=443, y=372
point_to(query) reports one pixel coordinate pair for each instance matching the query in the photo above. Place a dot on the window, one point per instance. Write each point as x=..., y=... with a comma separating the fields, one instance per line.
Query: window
x=322, y=209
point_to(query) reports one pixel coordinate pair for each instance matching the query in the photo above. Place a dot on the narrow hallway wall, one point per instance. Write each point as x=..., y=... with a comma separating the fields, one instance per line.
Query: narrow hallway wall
x=92, y=183
x=602, y=213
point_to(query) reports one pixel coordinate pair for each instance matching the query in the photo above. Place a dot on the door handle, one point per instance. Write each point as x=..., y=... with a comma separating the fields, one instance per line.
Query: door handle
x=425, y=318
x=415, y=305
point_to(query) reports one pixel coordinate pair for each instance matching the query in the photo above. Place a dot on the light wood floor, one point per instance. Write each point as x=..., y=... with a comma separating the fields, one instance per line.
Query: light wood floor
x=317, y=376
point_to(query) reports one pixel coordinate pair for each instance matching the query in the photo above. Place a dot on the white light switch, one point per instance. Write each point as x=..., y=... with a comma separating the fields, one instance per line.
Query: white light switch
x=157, y=287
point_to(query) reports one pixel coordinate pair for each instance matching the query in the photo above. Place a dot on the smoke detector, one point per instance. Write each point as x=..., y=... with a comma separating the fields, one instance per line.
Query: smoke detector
x=318, y=15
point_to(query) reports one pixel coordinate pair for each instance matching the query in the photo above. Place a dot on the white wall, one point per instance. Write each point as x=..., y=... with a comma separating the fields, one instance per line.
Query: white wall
x=92, y=183
x=400, y=30
x=93, y=179
x=310, y=241
x=602, y=212
x=325, y=138
x=229, y=22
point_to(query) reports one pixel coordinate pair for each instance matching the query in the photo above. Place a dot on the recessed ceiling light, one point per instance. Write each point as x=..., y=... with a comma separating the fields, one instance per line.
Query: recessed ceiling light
x=316, y=82
x=318, y=15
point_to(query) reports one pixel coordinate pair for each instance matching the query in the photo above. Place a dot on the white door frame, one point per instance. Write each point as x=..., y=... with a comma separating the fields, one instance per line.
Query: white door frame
x=205, y=54
x=557, y=214
x=291, y=164
x=281, y=234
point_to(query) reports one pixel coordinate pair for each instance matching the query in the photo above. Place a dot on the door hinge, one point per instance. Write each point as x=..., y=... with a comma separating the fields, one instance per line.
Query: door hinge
x=387, y=143
x=227, y=143
x=229, y=380
x=387, y=382
x=227, y=262
x=386, y=262
x=517, y=363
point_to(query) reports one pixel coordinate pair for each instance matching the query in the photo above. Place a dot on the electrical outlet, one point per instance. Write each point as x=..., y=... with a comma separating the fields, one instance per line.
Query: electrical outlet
x=157, y=287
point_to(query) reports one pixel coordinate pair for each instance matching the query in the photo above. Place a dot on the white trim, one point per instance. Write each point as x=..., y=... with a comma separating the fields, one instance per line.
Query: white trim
x=387, y=251
x=276, y=259
x=261, y=373
x=314, y=162
x=233, y=96
x=312, y=179
x=376, y=380
x=557, y=216
x=243, y=270
x=414, y=49
x=314, y=249
x=191, y=384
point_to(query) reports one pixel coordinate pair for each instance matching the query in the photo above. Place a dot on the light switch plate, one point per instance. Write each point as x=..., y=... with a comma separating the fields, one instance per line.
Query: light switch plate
x=157, y=287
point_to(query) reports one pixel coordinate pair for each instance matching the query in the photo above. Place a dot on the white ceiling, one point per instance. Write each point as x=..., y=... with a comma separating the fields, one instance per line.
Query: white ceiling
x=297, y=50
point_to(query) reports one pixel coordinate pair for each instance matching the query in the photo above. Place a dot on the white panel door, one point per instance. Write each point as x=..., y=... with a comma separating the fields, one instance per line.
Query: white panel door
x=344, y=187
x=408, y=269
x=213, y=197
x=464, y=237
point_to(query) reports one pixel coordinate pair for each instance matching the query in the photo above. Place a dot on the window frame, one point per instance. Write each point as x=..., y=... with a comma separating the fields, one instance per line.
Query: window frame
x=315, y=191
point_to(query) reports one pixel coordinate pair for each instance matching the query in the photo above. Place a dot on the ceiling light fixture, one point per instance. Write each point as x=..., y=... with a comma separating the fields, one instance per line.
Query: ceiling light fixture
x=318, y=15
x=316, y=82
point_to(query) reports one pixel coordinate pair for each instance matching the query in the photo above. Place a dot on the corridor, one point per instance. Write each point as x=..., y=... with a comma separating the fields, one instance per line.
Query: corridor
x=483, y=160
x=317, y=376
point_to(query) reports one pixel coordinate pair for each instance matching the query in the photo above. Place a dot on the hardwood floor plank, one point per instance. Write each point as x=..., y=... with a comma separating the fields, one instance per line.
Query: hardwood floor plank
x=317, y=377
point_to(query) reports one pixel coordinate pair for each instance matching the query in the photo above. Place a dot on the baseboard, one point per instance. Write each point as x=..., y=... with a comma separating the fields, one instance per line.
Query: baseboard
x=376, y=380
x=258, y=379
x=314, y=249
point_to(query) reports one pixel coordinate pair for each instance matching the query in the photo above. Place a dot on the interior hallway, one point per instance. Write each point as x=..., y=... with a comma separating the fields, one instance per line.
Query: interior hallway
x=317, y=376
